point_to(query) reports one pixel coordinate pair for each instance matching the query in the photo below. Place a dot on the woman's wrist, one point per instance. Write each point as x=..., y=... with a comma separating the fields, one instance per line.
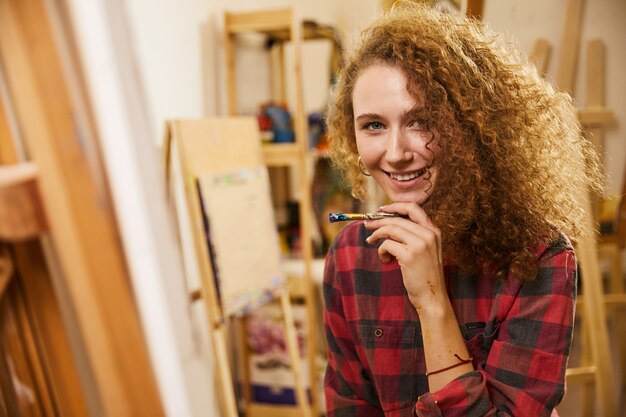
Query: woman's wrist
x=435, y=312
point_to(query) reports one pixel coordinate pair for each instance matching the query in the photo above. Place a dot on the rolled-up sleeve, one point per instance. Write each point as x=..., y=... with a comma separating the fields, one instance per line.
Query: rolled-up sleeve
x=524, y=371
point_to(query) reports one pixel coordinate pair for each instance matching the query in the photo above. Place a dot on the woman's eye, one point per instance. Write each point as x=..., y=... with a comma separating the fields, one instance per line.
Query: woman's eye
x=374, y=126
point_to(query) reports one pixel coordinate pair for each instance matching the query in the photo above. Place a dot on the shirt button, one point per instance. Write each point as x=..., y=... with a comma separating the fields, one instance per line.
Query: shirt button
x=378, y=332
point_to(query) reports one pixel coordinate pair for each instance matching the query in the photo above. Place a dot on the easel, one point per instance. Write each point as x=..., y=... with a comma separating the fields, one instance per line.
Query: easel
x=595, y=361
x=195, y=147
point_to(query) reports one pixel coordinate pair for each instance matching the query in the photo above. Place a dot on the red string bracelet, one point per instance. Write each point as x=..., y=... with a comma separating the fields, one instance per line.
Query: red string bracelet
x=461, y=362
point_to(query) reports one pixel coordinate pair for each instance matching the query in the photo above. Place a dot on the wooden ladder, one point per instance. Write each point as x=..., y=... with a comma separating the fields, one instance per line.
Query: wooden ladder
x=596, y=369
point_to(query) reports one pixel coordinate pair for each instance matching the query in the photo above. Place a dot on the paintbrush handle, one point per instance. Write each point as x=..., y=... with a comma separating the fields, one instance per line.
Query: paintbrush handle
x=340, y=217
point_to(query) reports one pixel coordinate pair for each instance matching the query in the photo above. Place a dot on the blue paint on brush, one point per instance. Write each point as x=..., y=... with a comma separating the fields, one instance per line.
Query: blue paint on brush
x=337, y=217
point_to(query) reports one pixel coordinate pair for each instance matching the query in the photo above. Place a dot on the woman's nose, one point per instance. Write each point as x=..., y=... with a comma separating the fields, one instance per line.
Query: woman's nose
x=398, y=147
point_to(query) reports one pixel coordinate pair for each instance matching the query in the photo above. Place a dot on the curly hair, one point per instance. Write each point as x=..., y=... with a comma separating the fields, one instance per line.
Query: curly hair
x=513, y=158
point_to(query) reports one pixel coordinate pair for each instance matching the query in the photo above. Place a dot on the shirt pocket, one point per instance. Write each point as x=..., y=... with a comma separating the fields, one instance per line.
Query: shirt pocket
x=392, y=358
x=479, y=337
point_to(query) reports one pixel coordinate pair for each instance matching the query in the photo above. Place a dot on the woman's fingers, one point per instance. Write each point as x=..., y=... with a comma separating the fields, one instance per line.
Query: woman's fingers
x=413, y=211
x=390, y=249
x=417, y=232
x=402, y=231
x=416, y=240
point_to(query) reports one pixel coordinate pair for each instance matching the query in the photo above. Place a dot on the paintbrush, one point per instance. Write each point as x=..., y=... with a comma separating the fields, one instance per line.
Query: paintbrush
x=342, y=217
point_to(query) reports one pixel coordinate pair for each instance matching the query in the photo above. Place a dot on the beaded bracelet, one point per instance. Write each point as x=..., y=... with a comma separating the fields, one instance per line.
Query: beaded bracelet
x=461, y=362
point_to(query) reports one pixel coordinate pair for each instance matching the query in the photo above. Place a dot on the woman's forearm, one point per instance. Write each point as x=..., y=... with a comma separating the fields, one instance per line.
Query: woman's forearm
x=442, y=341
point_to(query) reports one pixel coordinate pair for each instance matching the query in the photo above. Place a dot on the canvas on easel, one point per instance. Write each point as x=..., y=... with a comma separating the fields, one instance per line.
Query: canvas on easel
x=220, y=187
x=244, y=246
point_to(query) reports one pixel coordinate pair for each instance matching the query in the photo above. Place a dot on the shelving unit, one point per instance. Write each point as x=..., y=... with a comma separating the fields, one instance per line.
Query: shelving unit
x=282, y=26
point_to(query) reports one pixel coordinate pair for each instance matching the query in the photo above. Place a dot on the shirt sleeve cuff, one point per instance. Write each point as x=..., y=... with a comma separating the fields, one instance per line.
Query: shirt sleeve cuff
x=458, y=394
x=427, y=406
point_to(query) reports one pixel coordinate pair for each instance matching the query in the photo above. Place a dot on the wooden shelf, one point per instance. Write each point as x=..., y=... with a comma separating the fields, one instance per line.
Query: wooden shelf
x=264, y=21
x=280, y=26
x=282, y=154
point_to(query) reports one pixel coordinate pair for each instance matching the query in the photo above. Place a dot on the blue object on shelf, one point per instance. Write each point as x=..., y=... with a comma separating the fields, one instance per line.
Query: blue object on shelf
x=282, y=126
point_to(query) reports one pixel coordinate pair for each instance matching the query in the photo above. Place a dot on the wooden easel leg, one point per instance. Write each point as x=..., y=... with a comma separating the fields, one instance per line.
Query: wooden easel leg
x=618, y=314
x=595, y=316
x=227, y=397
x=294, y=357
x=244, y=360
x=587, y=387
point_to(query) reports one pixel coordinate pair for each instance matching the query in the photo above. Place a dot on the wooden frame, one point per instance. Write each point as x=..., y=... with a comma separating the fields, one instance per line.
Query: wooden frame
x=49, y=101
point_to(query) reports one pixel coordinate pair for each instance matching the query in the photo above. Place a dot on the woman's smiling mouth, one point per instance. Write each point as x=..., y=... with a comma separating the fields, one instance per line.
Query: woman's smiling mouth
x=408, y=176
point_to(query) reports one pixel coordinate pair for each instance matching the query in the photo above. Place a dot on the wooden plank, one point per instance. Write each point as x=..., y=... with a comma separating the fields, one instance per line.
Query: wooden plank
x=305, y=206
x=7, y=150
x=9, y=401
x=61, y=141
x=570, y=42
x=594, y=116
x=42, y=306
x=294, y=356
x=595, y=314
x=21, y=212
x=584, y=374
x=283, y=154
x=540, y=55
x=257, y=21
x=587, y=395
x=28, y=340
x=596, y=73
x=6, y=269
x=231, y=75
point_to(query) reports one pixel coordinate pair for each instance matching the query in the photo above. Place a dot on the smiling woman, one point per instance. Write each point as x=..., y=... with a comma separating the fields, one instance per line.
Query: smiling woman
x=462, y=303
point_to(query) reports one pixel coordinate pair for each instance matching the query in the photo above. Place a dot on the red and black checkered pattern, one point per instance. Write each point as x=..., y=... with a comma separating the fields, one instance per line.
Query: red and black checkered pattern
x=519, y=335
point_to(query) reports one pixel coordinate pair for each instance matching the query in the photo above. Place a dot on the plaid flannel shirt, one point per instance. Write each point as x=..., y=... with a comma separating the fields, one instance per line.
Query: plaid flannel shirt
x=519, y=335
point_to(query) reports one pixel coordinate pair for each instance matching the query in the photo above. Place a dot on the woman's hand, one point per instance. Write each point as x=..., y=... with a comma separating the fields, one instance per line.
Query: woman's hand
x=416, y=244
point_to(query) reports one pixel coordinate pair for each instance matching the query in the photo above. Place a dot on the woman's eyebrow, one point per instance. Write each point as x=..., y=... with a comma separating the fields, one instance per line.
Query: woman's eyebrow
x=367, y=116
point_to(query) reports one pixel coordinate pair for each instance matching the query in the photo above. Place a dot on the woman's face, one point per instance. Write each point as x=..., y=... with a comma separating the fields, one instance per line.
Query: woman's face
x=390, y=137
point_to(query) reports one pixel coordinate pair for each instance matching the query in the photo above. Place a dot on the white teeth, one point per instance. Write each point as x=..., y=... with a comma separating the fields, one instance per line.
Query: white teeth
x=407, y=177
